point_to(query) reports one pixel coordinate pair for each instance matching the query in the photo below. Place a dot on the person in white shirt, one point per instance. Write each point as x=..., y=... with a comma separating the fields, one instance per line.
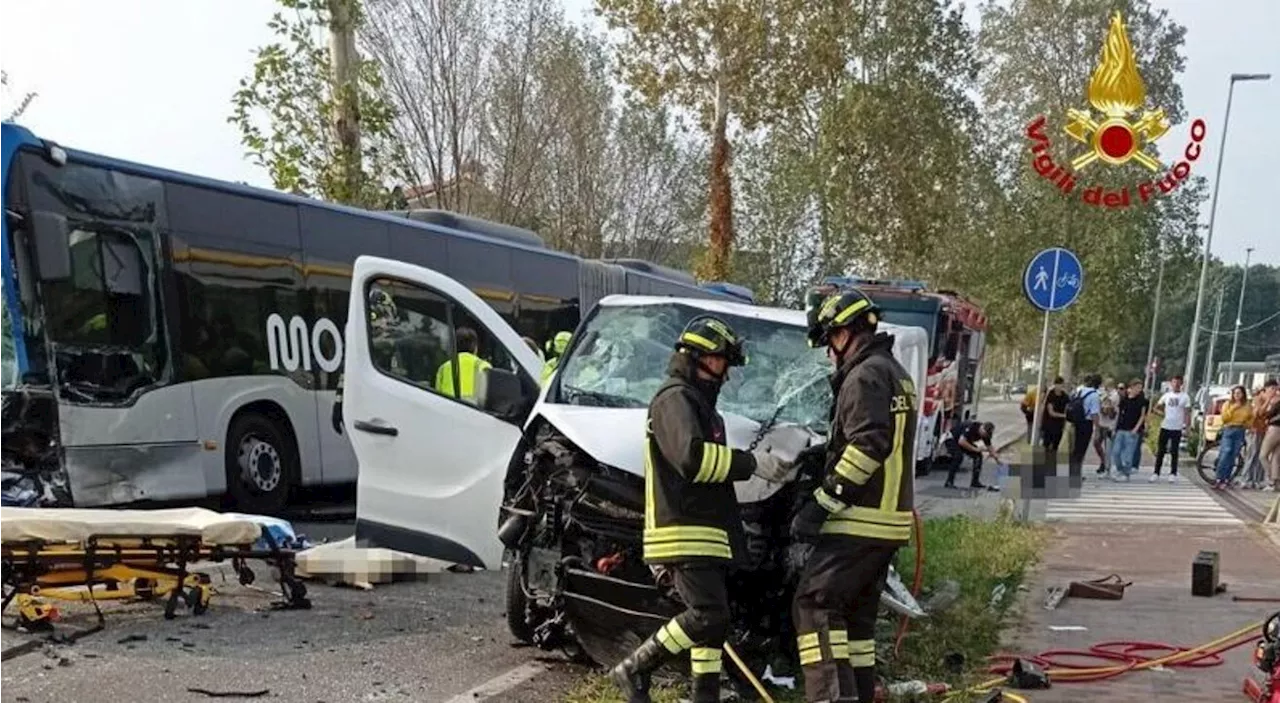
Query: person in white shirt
x=1175, y=407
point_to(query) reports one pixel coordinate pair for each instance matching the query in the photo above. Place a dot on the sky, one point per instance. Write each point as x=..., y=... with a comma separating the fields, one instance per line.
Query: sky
x=151, y=81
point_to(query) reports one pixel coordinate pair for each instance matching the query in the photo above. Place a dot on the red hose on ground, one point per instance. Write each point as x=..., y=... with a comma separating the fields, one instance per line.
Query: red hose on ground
x=1119, y=657
x=917, y=582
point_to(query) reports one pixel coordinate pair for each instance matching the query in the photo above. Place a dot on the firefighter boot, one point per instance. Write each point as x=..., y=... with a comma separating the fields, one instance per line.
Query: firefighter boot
x=632, y=674
x=706, y=688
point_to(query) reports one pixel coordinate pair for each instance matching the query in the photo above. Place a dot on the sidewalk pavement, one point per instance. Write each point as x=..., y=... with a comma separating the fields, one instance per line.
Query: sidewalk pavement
x=1158, y=607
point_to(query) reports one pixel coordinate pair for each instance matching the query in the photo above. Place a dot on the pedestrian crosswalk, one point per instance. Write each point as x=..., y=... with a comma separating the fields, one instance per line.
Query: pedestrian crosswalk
x=1140, y=502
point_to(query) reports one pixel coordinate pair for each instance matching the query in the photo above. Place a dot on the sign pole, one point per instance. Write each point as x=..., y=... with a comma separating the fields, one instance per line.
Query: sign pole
x=1037, y=418
x=1038, y=415
x=1068, y=273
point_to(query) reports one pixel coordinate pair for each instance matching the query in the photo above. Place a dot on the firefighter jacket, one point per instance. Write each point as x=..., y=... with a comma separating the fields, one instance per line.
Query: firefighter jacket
x=691, y=509
x=867, y=488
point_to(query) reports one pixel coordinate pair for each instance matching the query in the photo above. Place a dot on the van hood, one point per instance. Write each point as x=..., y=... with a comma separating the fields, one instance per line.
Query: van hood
x=615, y=436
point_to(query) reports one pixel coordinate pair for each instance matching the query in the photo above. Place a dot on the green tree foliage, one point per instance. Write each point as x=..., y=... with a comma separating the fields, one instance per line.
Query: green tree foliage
x=295, y=117
x=1038, y=57
x=14, y=108
x=725, y=61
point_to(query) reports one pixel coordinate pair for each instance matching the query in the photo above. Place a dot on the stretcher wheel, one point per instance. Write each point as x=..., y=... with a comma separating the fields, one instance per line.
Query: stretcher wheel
x=198, y=597
x=170, y=607
x=144, y=589
x=246, y=575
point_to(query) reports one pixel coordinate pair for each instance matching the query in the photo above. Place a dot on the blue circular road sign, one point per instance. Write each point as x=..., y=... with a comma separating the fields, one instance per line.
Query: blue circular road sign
x=1054, y=279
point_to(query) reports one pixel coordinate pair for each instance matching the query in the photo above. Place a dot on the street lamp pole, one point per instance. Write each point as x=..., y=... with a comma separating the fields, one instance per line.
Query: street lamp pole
x=1213, y=341
x=1189, y=371
x=1155, y=320
x=1235, y=338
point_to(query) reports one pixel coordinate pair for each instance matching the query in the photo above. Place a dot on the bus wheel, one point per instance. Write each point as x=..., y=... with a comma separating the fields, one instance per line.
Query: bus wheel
x=261, y=464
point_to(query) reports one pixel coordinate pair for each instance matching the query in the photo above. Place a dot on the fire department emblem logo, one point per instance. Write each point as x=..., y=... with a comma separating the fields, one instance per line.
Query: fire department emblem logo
x=1117, y=92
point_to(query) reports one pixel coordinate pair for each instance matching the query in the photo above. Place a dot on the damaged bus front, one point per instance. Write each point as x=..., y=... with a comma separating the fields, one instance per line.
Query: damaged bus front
x=82, y=328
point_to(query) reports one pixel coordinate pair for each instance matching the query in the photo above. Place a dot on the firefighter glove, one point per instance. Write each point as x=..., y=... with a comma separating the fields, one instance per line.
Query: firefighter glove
x=770, y=466
x=807, y=522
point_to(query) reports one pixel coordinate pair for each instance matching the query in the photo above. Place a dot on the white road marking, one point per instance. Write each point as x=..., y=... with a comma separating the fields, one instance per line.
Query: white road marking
x=500, y=683
x=1141, y=502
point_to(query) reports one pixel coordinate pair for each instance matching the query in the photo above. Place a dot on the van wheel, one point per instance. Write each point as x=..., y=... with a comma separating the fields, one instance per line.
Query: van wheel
x=261, y=465
x=517, y=602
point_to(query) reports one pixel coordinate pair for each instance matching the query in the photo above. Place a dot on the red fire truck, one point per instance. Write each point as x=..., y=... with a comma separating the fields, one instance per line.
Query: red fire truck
x=957, y=330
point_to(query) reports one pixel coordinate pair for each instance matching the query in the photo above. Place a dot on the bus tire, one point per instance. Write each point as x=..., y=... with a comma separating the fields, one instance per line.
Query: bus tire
x=261, y=464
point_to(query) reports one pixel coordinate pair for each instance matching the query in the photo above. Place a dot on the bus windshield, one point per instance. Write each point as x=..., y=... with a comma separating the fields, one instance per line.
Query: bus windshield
x=623, y=356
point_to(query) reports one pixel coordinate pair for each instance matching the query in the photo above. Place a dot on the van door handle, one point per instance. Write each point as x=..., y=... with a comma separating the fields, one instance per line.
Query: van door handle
x=366, y=426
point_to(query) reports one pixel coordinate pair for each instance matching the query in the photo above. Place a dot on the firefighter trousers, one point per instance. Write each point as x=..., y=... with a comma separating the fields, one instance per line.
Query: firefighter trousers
x=702, y=628
x=835, y=616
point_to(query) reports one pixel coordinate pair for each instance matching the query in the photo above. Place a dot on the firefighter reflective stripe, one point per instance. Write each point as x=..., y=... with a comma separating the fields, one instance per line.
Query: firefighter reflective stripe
x=828, y=503
x=839, y=644
x=705, y=660
x=686, y=541
x=677, y=540
x=851, y=311
x=698, y=341
x=862, y=653
x=855, y=465
x=810, y=648
x=650, y=496
x=716, y=459
x=886, y=521
x=859, y=521
x=893, y=466
x=672, y=637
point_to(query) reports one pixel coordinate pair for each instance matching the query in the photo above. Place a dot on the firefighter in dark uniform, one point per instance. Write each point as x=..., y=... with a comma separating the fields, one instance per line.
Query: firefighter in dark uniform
x=861, y=513
x=692, y=525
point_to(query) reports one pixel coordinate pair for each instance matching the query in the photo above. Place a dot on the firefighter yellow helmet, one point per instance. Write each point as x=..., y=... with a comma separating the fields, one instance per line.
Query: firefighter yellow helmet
x=844, y=309
x=708, y=336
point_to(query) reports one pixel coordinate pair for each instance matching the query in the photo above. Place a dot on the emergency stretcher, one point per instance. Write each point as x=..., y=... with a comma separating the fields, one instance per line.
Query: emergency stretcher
x=89, y=555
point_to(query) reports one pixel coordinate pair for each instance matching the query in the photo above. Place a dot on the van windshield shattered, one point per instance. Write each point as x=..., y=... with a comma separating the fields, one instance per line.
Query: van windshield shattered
x=622, y=360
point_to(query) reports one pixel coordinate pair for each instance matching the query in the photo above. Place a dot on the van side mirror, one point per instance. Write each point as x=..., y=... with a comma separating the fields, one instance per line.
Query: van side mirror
x=502, y=394
x=52, y=244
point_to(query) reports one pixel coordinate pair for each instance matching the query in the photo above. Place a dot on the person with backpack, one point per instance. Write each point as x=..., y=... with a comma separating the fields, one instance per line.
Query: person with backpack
x=969, y=440
x=1083, y=412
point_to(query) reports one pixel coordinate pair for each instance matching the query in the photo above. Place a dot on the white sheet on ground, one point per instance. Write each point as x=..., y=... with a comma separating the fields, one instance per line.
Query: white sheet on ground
x=76, y=525
x=345, y=563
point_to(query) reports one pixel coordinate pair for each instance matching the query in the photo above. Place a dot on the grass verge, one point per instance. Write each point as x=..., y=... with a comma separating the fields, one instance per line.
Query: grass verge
x=979, y=556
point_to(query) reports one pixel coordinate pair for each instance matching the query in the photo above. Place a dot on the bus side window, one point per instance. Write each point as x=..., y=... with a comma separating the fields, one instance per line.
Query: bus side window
x=106, y=299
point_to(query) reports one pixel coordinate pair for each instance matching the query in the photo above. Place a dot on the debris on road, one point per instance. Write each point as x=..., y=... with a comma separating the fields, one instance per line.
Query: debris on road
x=229, y=694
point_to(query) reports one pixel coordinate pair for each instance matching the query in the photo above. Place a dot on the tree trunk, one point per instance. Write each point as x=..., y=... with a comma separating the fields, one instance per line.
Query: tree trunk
x=1067, y=361
x=346, y=95
x=715, y=265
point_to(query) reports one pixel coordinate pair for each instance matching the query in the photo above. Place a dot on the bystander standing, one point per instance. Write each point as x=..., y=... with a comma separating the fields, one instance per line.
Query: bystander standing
x=1175, y=409
x=1131, y=413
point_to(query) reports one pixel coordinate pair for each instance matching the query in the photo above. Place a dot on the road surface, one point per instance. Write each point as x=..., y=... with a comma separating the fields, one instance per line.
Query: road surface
x=442, y=639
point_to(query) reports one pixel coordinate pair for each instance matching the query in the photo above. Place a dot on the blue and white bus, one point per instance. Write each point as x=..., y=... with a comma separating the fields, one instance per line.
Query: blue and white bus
x=173, y=337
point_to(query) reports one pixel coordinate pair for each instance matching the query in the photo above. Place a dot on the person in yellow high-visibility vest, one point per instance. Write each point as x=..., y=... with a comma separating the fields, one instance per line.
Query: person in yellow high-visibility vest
x=470, y=366
x=555, y=349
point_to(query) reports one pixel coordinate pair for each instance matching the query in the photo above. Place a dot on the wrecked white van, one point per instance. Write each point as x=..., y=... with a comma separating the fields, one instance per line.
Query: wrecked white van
x=553, y=478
